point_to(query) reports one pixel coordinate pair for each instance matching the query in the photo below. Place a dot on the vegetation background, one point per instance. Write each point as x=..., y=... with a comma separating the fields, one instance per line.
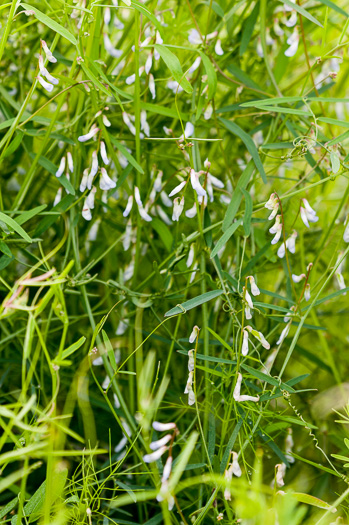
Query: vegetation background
x=139, y=145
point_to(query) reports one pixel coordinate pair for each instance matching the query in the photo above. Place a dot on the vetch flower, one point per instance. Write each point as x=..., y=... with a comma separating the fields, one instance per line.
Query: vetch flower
x=83, y=183
x=144, y=214
x=163, y=216
x=254, y=288
x=233, y=469
x=48, y=53
x=58, y=197
x=151, y=85
x=191, y=212
x=89, y=135
x=276, y=229
x=106, y=121
x=160, y=442
x=166, y=201
x=128, y=206
x=144, y=123
x=191, y=360
x=307, y=213
x=195, y=182
x=45, y=73
x=177, y=189
x=194, y=37
x=70, y=162
x=163, y=427
x=259, y=336
x=244, y=348
x=238, y=397
x=235, y=465
x=116, y=53
x=280, y=472
x=218, y=48
x=289, y=446
x=148, y=64
x=127, y=120
x=86, y=212
x=194, y=334
x=61, y=168
x=45, y=85
x=190, y=258
x=105, y=182
x=189, y=389
x=150, y=458
x=90, y=199
x=290, y=245
x=188, y=130
x=195, y=65
x=293, y=42
x=249, y=306
x=103, y=153
x=178, y=205
x=298, y=278
x=273, y=205
x=283, y=334
x=307, y=292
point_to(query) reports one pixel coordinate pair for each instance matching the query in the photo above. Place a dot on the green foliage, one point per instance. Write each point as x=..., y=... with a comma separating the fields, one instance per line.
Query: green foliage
x=161, y=360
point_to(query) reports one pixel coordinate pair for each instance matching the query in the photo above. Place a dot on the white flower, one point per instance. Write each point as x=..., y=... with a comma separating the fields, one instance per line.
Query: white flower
x=167, y=469
x=307, y=292
x=218, y=48
x=189, y=389
x=152, y=86
x=86, y=212
x=244, y=349
x=70, y=162
x=116, y=53
x=127, y=120
x=106, y=121
x=277, y=229
x=89, y=135
x=83, y=183
x=90, y=199
x=178, y=205
x=191, y=360
x=188, y=130
x=195, y=65
x=45, y=73
x=148, y=64
x=149, y=458
x=292, y=21
x=289, y=446
x=280, y=472
x=144, y=214
x=107, y=15
x=191, y=254
x=103, y=153
x=61, y=167
x=158, y=181
x=174, y=86
x=163, y=216
x=298, y=278
x=247, y=297
x=128, y=206
x=277, y=29
x=283, y=334
x=144, y=123
x=45, y=85
x=138, y=197
x=191, y=212
x=177, y=189
x=272, y=204
x=194, y=334
x=293, y=42
x=238, y=397
x=163, y=427
x=58, y=197
x=290, y=245
x=307, y=213
x=105, y=182
x=166, y=201
x=126, y=242
x=259, y=336
x=194, y=37
x=160, y=442
x=235, y=466
x=194, y=179
x=254, y=288
x=48, y=53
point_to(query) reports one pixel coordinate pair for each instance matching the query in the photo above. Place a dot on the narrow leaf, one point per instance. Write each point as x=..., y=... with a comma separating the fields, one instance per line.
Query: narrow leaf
x=193, y=303
x=174, y=66
x=50, y=23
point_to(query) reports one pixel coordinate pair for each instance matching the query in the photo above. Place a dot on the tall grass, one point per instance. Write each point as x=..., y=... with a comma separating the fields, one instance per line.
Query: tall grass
x=173, y=213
